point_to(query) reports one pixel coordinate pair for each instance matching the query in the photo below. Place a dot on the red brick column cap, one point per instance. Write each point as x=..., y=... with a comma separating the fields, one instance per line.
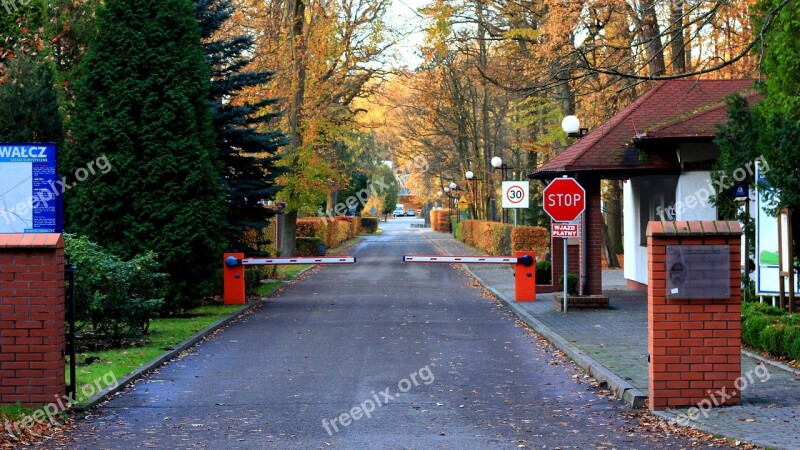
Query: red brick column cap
x=695, y=228
x=31, y=240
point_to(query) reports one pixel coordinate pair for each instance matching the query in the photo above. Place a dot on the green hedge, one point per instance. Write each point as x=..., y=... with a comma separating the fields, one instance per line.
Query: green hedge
x=771, y=330
x=369, y=224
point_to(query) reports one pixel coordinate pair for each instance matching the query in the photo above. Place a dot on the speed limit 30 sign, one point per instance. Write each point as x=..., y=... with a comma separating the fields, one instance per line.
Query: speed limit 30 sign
x=515, y=194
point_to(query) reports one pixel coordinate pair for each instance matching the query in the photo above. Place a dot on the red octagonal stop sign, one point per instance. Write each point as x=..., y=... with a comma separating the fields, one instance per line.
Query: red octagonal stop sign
x=564, y=199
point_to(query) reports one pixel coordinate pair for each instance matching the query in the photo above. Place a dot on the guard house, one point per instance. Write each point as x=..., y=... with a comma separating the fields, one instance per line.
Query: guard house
x=662, y=147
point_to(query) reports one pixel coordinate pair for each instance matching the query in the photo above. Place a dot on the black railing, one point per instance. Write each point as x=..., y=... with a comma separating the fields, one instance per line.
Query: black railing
x=69, y=350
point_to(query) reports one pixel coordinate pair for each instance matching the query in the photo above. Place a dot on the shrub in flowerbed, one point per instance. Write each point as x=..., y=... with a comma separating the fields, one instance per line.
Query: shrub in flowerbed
x=572, y=283
x=771, y=330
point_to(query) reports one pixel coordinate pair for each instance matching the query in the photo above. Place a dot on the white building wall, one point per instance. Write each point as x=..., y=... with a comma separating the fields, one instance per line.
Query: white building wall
x=692, y=197
x=635, y=254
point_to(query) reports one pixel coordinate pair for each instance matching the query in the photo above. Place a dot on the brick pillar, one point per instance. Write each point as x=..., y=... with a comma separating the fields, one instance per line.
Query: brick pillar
x=31, y=318
x=592, y=280
x=694, y=343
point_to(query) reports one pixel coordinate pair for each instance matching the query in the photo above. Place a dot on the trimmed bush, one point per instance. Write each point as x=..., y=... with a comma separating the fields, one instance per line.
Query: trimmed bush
x=493, y=238
x=790, y=341
x=369, y=224
x=440, y=220
x=544, y=273
x=771, y=339
x=770, y=329
x=355, y=225
x=307, y=246
x=530, y=238
x=312, y=227
x=572, y=283
x=751, y=330
x=793, y=345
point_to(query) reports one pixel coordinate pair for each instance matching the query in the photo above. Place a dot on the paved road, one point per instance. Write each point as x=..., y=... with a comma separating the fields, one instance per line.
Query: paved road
x=434, y=362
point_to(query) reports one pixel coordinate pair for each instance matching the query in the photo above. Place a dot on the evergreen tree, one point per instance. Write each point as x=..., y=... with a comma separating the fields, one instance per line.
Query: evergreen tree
x=143, y=103
x=246, y=150
x=28, y=91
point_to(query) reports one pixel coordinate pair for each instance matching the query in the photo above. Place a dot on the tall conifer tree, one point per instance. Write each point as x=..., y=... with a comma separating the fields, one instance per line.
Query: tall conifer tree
x=143, y=103
x=246, y=142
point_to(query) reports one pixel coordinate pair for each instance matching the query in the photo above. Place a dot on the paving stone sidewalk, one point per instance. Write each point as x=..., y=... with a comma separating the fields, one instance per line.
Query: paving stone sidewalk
x=612, y=345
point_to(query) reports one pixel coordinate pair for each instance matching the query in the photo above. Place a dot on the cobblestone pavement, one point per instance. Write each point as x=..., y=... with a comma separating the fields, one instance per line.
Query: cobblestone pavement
x=617, y=339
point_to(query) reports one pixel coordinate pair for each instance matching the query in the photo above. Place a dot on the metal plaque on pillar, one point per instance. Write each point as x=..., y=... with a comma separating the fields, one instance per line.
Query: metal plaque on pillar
x=698, y=271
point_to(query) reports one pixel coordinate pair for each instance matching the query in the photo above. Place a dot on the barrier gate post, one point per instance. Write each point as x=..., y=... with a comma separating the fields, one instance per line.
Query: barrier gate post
x=524, y=277
x=233, y=279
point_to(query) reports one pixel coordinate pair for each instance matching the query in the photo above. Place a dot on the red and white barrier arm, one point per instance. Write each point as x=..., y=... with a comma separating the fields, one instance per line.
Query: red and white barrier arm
x=308, y=260
x=460, y=259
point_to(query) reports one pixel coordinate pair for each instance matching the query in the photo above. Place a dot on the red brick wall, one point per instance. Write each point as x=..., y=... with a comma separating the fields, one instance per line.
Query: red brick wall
x=557, y=263
x=694, y=344
x=31, y=318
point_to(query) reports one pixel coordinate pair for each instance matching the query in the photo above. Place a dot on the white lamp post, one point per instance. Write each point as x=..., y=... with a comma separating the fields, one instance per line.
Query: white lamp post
x=572, y=126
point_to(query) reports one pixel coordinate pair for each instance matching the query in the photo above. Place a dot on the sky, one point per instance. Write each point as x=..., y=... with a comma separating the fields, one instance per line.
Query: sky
x=401, y=15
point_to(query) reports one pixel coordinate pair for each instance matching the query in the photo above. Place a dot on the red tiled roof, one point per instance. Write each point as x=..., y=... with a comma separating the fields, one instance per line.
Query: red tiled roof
x=670, y=107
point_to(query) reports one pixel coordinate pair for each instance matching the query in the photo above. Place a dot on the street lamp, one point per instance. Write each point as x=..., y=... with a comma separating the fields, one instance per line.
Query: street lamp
x=572, y=126
x=498, y=163
x=471, y=177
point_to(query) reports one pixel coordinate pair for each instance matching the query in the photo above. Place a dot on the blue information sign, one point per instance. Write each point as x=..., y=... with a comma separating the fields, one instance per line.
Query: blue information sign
x=30, y=200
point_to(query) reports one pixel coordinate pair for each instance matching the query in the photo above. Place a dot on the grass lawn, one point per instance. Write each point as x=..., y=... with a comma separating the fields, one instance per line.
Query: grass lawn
x=164, y=335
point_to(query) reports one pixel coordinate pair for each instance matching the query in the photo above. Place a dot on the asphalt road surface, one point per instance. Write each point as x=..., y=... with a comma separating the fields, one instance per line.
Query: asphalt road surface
x=380, y=354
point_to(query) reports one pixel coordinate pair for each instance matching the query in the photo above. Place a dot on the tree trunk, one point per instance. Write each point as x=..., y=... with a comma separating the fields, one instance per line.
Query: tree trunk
x=676, y=38
x=611, y=257
x=288, y=233
x=654, y=49
x=614, y=216
x=333, y=197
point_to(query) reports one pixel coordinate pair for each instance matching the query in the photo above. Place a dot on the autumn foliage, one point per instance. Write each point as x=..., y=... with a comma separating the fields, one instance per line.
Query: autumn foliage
x=495, y=238
x=333, y=233
x=440, y=220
